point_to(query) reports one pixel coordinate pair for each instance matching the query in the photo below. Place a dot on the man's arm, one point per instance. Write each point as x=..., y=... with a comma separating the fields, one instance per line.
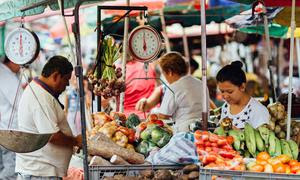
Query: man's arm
x=61, y=139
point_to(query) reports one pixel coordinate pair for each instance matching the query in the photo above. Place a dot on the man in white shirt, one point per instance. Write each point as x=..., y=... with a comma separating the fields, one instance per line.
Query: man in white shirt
x=8, y=112
x=41, y=112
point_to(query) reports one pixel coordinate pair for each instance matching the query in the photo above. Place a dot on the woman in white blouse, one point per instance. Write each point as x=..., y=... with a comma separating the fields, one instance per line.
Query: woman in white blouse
x=239, y=106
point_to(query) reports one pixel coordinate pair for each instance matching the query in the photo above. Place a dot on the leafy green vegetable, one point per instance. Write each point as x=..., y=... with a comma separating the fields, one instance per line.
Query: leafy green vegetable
x=132, y=121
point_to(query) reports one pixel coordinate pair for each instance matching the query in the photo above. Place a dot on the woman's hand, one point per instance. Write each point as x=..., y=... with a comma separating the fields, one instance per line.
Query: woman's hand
x=141, y=104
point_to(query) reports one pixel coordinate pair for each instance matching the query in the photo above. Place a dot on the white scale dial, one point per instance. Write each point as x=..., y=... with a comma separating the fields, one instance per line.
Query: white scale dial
x=144, y=43
x=21, y=46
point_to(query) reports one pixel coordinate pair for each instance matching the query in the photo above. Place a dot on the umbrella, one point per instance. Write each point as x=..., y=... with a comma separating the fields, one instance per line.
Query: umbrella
x=12, y=8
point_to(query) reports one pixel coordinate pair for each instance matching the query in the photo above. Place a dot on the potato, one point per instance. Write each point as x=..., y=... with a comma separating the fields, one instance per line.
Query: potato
x=163, y=175
x=277, y=129
x=147, y=174
x=194, y=175
x=183, y=177
x=189, y=168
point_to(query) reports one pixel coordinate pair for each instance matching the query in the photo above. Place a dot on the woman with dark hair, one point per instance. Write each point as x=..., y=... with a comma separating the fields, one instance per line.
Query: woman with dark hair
x=239, y=106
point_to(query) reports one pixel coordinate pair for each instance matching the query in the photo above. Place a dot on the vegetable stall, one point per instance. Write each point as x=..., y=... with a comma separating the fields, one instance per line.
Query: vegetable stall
x=120, y=146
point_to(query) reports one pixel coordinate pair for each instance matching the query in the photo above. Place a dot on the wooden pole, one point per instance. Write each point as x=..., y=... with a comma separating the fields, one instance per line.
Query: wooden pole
x=164, y=30
x=291, y=64
x=124, y=58
x=204, y=69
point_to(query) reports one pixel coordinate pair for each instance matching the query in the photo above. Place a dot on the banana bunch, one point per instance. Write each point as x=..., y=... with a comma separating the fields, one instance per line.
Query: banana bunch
x=249, y=142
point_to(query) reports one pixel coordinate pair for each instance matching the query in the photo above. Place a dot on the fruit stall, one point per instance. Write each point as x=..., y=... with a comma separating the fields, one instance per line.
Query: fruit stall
x=122, y=147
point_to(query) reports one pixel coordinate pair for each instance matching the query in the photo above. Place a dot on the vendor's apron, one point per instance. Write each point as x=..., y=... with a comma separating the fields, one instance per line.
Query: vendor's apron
x=184, y=125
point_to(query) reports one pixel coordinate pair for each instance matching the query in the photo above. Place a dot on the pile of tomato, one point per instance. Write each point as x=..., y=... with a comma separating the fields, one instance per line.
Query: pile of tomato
x=280, y=164
x=216, y=152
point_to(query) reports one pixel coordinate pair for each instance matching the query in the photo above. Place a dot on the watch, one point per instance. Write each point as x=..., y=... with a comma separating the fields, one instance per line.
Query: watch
x=22, y=46
x=144, y=43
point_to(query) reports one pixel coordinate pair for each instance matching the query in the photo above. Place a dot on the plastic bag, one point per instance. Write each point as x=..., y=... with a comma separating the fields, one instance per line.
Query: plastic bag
x=180, y=150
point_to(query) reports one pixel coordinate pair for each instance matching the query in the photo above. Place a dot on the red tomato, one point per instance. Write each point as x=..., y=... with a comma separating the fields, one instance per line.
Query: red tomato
x=215, y=149
x=214, y=145
x=227, y=147
x=207, y=144
x=208, y=149
x=202, y=152
x=211, y=158
x=153, y=117
x=226, y=154
x=230, y=139
x=213, y=138
x=200, y=147
x=198, y=135
x=199, y=142
x=221, y=142
x=142, y=126
x=158, y=122
x=205, y=135
x=201, y=158
x=131, y=136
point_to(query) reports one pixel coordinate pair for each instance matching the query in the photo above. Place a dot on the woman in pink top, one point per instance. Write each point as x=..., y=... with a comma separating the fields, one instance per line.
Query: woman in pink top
x=138, y=88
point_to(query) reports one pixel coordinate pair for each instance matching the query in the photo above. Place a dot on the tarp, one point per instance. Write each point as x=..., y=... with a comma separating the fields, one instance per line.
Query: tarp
x=279, y=19
x=284, y=17
x=275, y=30
x=11, y=8
x=270, y=2
x=213, y=3
x=183, y=15
x=151, y=4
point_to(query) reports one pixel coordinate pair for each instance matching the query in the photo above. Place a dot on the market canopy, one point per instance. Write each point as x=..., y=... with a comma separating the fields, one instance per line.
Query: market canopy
x=12, y=8
x=185, y=15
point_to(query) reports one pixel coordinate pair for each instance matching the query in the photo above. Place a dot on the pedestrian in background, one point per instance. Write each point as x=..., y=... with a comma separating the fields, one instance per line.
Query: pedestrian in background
x=9, y=93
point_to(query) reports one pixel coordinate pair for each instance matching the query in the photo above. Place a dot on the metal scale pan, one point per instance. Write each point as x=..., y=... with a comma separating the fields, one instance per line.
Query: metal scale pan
x=26, y=45
x=22, y=142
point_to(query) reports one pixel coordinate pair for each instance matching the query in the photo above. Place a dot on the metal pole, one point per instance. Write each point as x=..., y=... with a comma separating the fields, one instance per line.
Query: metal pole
x=67, y=32
x=269, y=53
x=204, y=70
x=38, y=4
x=293, y=27
x=164, y=30
x=79, y=75
x=99, y=41
x=124, y=58
x=298, y=54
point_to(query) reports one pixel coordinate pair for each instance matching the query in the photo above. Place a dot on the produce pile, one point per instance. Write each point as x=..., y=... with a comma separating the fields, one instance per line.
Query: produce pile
x=110, y=83
x=114, y=127
x=278, y=122
x=279, y=164
x=152, y=135
x=216, y=152
x=111, y=140
x=249, y=142
x=190, y=172
x=126, y=135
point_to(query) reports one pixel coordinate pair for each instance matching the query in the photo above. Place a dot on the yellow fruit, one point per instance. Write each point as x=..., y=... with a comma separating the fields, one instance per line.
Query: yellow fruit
x=284, y=158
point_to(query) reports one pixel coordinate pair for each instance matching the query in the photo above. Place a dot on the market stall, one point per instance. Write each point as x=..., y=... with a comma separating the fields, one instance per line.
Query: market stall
x=123, y=147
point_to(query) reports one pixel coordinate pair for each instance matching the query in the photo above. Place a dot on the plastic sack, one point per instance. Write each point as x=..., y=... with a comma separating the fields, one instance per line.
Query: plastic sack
x=180, y=150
